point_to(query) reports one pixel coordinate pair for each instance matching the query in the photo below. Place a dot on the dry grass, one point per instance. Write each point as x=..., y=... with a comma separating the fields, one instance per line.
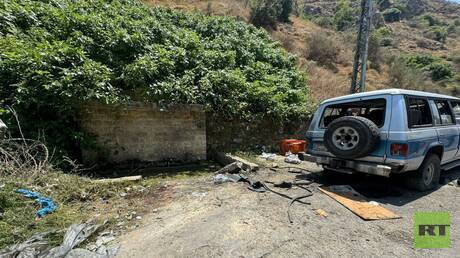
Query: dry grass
x=25, y=164
x=326, y=84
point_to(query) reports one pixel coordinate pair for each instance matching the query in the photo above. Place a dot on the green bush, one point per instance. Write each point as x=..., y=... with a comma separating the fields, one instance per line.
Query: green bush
x=374, y=52
x=324, y=21
x=437, y=33
x=385, y=36
x=344, y=16
x=440, y=71
x=438, y=68
x=392, y=15
x=55, y=55
x=286, y=10
x=401, y=75
x=432, y=20
x=267, y=13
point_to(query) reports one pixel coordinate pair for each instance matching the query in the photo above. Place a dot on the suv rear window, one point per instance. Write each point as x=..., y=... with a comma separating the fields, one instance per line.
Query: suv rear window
x=373, y=110
x=445, y=114
x=418, y=112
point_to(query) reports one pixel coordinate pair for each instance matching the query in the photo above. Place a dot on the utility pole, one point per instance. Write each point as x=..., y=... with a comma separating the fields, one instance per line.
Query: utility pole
x=358, y=79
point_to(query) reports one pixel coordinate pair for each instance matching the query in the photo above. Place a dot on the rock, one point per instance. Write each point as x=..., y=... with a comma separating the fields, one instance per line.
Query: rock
x=123, y=194
x=226, y=159
x=231, y=168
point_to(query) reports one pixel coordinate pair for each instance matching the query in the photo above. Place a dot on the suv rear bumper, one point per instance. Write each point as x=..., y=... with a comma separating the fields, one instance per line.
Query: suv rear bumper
x=351, y=166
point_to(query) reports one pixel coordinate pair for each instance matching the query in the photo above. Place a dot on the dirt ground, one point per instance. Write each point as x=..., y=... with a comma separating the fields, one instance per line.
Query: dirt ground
x=207, y=220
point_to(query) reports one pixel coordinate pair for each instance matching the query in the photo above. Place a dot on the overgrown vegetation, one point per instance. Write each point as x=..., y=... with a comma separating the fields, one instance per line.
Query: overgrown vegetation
x=268, y=13
x=436, y=67
x=57, y=54
x=26, y=164
x=344, y=15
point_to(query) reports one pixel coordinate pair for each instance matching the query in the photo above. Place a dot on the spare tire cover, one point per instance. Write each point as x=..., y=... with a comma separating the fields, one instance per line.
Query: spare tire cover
x=351, y=137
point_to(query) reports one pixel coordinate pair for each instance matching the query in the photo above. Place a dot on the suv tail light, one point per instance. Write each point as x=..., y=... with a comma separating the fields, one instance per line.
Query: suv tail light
x=399, y=149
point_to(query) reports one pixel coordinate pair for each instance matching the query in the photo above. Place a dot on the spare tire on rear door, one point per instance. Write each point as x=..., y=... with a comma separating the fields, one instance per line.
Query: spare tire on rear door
x=351, y=137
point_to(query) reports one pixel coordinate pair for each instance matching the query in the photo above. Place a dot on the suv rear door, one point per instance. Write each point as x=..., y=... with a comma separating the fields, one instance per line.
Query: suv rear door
x=327, y=112
x=446, y=128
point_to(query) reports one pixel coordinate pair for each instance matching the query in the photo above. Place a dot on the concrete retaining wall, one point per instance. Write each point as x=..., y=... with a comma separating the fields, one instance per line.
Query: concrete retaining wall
x=144, y=132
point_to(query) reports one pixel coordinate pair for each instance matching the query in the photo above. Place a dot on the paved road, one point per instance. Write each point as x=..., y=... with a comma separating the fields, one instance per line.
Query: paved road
x=207, y=220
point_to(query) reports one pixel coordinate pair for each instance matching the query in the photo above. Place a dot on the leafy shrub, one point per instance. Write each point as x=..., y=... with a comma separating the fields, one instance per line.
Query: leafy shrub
x=403, y=76
x=392, y=15
x=384, y=4
x=58, y=54
x=267, y=13
x=437, y=33
x=374, y=52
x=286, y=10
x=323, y=49
x=385, y=36
x=344, y=16
x=431, y=20
x=440, y=71
x=324, y=21
x=438, y=68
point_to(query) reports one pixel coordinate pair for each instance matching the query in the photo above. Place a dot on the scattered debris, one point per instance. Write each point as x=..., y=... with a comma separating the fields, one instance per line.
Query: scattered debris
x=37, y=246
x=123, y=194
x=257, y=187
x=221, y=178
x=283, y=184
x=119, y=179
x=292, y=158
x=268, y=156
x=198, y=194
x=47, y=205
x=358, y=204
x=75, y=235
x=32, y=247
x=321, y=213
x=225, y=159
x=231, y=168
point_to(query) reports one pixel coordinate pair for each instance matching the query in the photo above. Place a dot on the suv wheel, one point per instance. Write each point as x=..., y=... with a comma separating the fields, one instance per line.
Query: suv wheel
x=351, y=137
x=427, y=176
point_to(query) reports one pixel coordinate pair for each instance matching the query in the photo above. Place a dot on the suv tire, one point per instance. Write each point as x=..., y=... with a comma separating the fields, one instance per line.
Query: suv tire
x=427, y=176
x=351, y=137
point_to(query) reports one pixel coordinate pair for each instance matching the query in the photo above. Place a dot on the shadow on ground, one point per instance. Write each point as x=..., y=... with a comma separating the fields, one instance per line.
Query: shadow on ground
x=385, y=190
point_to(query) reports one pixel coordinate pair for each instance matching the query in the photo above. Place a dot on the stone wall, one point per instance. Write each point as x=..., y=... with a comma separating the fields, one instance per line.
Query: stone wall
x=234, y=135
x=144, y=132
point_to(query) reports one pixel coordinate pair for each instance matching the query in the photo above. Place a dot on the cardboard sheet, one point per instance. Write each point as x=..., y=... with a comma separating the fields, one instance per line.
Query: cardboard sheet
x=357, y=203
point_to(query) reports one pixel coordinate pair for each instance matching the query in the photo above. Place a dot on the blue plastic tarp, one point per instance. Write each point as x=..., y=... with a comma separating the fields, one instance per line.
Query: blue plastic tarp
x=47, y=205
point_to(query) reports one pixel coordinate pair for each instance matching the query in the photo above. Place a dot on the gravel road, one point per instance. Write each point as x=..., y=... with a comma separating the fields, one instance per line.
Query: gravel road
x=207, y=220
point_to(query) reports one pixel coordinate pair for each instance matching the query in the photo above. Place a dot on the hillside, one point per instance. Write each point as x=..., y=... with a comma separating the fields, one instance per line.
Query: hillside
x=407, y=33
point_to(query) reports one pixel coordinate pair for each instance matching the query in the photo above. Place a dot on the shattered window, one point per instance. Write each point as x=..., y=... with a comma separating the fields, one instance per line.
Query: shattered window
x=418, y=112
x=373, y=110
x=444, y=112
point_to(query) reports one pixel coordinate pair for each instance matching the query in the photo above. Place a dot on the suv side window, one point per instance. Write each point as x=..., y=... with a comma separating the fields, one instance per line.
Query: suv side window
x=444, y=112
x=418, y=112
x=456, y=108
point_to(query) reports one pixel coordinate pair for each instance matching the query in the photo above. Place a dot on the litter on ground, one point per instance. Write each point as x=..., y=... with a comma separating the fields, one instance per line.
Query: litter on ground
x=292, y=158
x=358, y=204
x=47, y=205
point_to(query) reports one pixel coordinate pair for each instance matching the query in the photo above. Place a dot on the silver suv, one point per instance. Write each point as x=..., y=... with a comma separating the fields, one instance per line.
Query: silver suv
x=388, y=132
